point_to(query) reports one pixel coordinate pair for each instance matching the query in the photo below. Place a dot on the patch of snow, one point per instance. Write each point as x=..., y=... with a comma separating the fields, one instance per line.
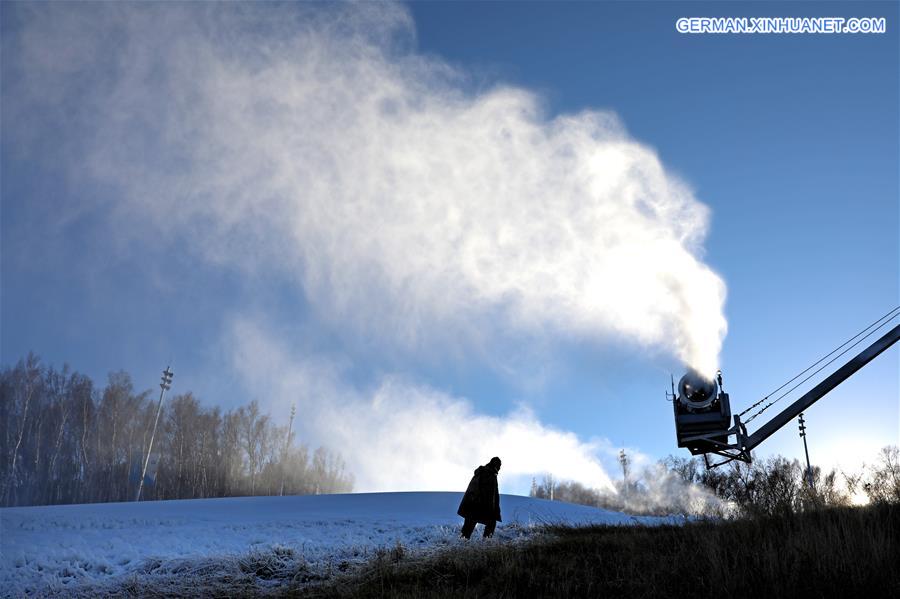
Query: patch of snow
x=50, y=549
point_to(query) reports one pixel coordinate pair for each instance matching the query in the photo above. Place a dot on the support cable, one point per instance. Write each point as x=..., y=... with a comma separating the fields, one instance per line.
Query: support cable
x=886, y=318
x=820, y=369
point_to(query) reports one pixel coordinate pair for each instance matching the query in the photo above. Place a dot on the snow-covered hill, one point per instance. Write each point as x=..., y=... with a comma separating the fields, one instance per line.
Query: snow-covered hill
x=43, y=549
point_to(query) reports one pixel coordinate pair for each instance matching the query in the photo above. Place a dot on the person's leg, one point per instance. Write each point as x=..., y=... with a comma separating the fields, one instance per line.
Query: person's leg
x=489, y=529
x=468, y=527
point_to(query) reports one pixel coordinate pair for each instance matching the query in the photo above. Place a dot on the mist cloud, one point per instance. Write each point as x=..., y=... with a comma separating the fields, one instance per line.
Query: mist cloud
x=313, y=144
x=402, y=435
x=405, y=204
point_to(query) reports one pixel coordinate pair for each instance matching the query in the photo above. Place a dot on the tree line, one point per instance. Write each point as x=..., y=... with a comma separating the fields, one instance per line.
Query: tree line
x=772, y=486
x=63, y=439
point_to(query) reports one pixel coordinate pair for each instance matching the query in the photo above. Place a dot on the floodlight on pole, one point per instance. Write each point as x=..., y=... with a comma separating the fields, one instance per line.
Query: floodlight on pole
x=164, y=385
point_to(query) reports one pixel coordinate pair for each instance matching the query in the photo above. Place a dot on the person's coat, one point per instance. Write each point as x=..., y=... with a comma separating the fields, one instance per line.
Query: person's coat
x=482, y=499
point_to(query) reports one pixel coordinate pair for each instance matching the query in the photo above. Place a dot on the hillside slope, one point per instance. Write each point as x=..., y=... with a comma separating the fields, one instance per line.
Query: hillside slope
x=55, y=548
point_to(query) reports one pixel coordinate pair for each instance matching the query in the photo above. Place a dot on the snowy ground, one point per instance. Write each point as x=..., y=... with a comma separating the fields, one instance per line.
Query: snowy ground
x=45, y=550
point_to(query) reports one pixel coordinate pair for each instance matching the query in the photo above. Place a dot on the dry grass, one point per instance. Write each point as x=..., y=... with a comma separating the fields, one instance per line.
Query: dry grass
x=257, y=574
x=850, y=552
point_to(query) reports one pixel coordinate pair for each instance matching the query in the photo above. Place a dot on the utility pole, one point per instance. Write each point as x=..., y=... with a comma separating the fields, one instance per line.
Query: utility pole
x=623, y=459
x=809, y=476
x=165, y=385
x=287, y=446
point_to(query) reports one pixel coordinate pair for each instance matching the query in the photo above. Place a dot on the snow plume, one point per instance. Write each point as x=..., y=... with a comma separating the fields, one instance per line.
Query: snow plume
x=658, y=490
x=651, y=489
x=407, y=203
x=402, y=436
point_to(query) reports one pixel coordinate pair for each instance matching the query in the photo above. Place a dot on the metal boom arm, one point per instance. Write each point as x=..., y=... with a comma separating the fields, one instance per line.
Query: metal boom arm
x=817, y=392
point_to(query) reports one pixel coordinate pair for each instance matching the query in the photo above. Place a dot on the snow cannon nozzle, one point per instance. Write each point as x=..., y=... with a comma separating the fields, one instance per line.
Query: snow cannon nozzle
x=697, y=392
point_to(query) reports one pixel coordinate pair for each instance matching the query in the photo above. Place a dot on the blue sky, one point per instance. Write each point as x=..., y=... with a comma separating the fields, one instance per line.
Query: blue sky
x=114, y=258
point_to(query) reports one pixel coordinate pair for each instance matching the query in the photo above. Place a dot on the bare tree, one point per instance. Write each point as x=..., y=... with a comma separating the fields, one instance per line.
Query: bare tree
x=63, y=441
x=255, y=439
x=26, y=380
x=882, y=484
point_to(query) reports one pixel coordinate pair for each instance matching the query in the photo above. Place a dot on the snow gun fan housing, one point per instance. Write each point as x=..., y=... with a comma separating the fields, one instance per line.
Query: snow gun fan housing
x=702, y=413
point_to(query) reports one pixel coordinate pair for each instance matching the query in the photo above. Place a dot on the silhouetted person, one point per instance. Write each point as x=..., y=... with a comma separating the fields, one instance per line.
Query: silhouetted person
x=481, y=503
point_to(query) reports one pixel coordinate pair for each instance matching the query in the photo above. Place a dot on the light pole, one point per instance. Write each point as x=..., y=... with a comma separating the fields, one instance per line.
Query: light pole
x=623, y=460
x=287, y=446
x=164, y=386
x=809, y=478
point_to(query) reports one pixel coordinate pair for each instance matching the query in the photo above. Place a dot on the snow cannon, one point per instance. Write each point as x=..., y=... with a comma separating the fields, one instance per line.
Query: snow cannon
x=702, y=413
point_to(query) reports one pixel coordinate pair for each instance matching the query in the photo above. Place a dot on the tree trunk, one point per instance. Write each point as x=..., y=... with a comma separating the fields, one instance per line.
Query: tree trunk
x=21, y=433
